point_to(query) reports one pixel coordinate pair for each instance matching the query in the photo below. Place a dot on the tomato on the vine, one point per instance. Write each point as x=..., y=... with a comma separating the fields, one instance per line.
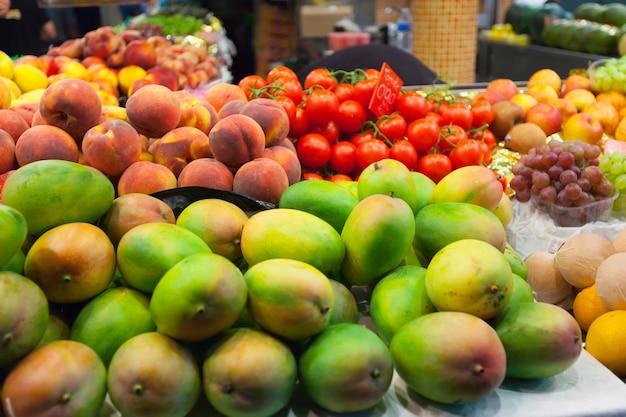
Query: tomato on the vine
x=482, y=113
x=339, y=178
x=412, y=105
x=484, y=135
x=435, y=117
x=250, y=84
x=372, y=73
x=350, y=116
x=300, y=125
x=403, y=151
x=458, y=114
x=329, y=130
x=344, y=91
x=487, y=156
x=391, y=126
x=321, y=106
x=357, y=138
x=450, y=136
x=289, y=106
x=313, y=151
x=320, y=77
x=423, y=134
x=280, y=71
x=343, y=157
x=363, y=91
x=371, y=151
x=312, y=176
x=467, y=152
x=288, y=87
x=435, y=166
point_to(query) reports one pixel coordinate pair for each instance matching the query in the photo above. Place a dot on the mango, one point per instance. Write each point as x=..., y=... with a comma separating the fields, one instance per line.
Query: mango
x=57, y=329
x=16, y=263
x=14, y=230
x=425, y=187
x=390, y=177
x=518, y=266
x=555, y=334
x=474, y=184
x=53, y=192
x=346, y=307
x=377, y=236
x=439, y=224
x=346, y=368
x=325, y=199
x=289, y=298
x=291, y=234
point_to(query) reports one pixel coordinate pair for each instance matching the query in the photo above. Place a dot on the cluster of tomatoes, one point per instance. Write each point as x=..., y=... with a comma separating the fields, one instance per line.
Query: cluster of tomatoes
x=337, y=135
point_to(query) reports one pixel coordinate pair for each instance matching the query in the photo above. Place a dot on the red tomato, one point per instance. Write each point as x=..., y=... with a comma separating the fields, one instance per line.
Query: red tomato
x=344, y=91
x=363, y=91
x=423, y=134
x=412, y=106
x=484, y=135
x=280, y=71
x=340, y=178
x=403, y=151
x=312, y=176
x=250, y=85
x=487, y=156
x=300, y=125
x=435, y=166
x=357, y=138
x=455, y=114
x=343, y=157
x=313, y=151
x=288, y=87
x=372, y=73
x=329, y=130
x=289, y=106
x=350, y=116
x=503, y=182
x=467, y=152
x=435, y=117
x=482, y=113
x=370, y=151
x=451, y=135
x=392, y=126
x=321, y=106
x=320, y=77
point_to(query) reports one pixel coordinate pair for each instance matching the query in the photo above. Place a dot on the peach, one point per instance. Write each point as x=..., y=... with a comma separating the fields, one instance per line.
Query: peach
x=287, y=159
x=114, y=112
x=129, y=35
x=132, y=209
x=6, y=96
x=7, y=152
x=73, y=48
x=232, y=107
x=127, y=75
x=504, y=86
x=566, y=107
x=580, y=97
x=206, y=172
x=88, y=61
x=71, y=104
x=102, y=72
x=107, y=98
x=141, y=53
x=545, y=115
x=101, y=42
x=153, y=110
x=13, y=123
x=137, y=84
x=271, y=116
x=45, y=142
x=163, y=76
x=573, y=82
x=262, y=179
x=74, y=69
x=287, y=143
x=116, y=59
x=111, y=146
x=145, y=177
x=223, y=92
x=606, y=113
x=491, y=96
x=26, y=109
x=197, y=113
x=236, y=140
x=181, y=145
x=159, y=41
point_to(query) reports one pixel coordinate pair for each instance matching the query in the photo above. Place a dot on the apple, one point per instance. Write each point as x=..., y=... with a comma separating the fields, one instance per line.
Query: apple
x=584, y=127
x=545, y=115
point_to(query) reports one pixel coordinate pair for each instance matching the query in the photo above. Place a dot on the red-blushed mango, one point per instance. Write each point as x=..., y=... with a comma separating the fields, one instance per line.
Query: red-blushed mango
x=53, y=192
x=45, y=142
x=111, y=146
x=346, y=307
x=153, y=110
x=471, y=184
x=76, y=388
x=262, y=179
x=391, y=177
x=236, y=139
x=181, y=145
x=271, y=116
x=467, y=360
x=289, y=298
x=206, y=172
x=22, y=302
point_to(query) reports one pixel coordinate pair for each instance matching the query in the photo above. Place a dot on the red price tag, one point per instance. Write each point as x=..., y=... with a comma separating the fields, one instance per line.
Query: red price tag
x=387, y=89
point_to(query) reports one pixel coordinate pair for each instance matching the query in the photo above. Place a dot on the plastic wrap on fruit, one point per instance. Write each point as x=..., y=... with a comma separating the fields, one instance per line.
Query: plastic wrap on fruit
x=502, y=163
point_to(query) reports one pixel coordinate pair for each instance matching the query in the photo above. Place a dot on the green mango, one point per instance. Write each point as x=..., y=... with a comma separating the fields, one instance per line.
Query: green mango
x=516, y=261
x=14, y=230
x=377, y=236
x=391, y=177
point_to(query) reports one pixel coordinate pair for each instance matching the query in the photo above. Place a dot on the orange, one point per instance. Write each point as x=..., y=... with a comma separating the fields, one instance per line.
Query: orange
x=546, y=76
x=620, y=130
x=606, y=341
x=587, y=307
x=605, y=113
x=580, y=97
x=616, y=98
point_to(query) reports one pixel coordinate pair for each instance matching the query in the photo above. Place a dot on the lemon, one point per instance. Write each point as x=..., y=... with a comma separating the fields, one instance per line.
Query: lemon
x=6, y=65
x=29, y=78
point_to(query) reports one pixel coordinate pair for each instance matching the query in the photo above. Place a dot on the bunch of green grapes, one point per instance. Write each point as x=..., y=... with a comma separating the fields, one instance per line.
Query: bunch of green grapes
x=175, y=24
x=613, y=165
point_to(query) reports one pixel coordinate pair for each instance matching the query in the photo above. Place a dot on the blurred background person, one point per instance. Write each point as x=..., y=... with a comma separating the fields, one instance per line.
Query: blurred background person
x=26, y=29
x=65, y=22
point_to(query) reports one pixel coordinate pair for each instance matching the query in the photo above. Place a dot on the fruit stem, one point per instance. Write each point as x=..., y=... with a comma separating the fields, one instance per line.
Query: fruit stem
x=67, y=278
x=138, y=389
x=65, y=398
x=478, y=369
x=7, y=338
x=494, y=289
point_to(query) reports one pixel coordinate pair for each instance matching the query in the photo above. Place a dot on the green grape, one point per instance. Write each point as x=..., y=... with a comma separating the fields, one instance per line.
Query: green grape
x=620, y=182
x=616, y=156
x=604, y=163
x=616, y=168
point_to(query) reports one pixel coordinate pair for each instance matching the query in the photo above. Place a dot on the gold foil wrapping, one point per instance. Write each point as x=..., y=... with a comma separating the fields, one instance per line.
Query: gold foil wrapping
x=502, y=163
